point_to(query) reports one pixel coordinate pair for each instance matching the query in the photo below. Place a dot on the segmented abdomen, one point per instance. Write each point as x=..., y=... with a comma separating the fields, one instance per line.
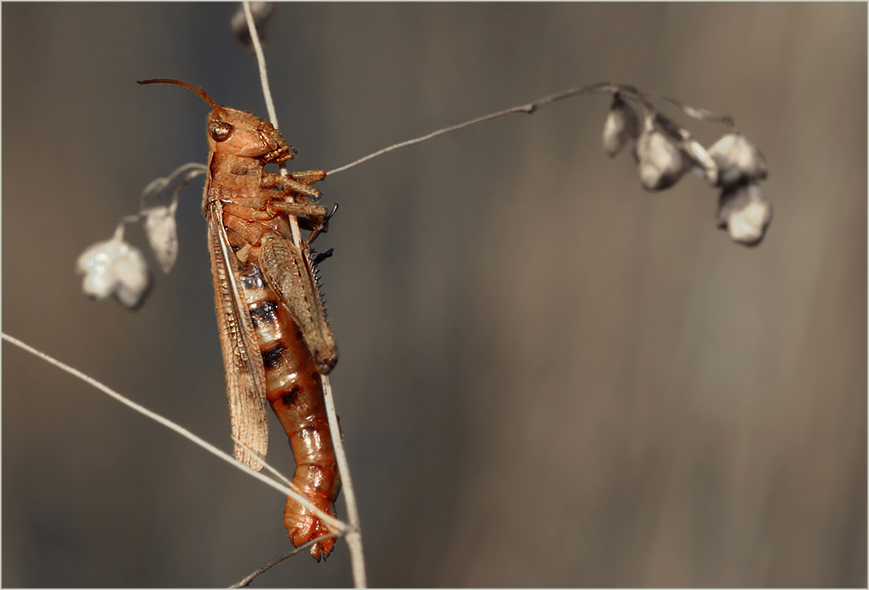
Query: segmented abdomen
x=295, y=393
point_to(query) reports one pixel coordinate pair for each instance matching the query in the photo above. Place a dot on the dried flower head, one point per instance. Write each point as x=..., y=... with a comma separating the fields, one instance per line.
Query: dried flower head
x=115, y=268
x=620, y=127
x=660, y=162
x=160, y=227
x=737, y=160
x=745, y=212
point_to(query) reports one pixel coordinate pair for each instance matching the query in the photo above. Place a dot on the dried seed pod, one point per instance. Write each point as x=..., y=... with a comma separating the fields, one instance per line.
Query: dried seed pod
x=262, y=13
x=661, y=163
x=160, y=227
x=737, y=160
x=745, y=212
x=115, y=268
x=620, y=127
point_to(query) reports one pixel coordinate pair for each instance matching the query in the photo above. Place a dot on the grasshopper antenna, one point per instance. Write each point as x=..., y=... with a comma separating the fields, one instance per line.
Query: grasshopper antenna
x=202, y=94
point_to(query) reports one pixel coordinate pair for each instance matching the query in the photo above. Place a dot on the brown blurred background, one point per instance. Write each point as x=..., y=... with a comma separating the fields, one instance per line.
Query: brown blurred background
x=548, y=376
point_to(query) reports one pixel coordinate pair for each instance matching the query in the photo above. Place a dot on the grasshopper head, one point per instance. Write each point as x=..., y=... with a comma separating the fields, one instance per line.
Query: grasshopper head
x=239, y=133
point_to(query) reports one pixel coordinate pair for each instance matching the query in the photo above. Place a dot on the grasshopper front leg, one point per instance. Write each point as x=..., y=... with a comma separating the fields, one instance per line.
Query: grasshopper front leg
x=292, y=194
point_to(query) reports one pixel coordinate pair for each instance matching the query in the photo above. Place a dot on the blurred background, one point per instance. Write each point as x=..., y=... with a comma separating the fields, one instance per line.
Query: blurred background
x=547, y=376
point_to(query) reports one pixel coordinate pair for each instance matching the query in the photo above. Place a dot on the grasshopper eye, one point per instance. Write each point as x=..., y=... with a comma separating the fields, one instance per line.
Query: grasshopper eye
x=219, y=130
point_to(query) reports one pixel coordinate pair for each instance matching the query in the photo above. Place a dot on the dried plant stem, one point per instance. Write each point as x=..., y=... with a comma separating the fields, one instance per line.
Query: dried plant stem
x=354, y=536
x=176, y=181
x=340, y=527
x=532, y=107
x=261, y=61
x=245, y=581
x=277, y=474
x=270, y=105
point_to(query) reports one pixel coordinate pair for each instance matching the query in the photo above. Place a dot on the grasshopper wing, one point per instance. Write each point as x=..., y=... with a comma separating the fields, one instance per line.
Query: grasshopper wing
x=245, y=375
x=289, y=271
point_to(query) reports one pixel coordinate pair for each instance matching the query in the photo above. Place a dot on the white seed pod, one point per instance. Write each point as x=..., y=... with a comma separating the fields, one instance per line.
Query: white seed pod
x=262, y=13
x=745, y=212
x=162, y=234
x=661, y=163
x=620, y=127
x=737, y=160
x=115, y=268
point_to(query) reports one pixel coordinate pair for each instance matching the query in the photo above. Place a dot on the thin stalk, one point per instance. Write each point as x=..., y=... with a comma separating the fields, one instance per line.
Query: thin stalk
x=354, y=537
x=341, y=527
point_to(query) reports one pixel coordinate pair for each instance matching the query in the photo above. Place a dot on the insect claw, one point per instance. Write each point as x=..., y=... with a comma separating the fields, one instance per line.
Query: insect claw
x=329, y=216
x=323, y=227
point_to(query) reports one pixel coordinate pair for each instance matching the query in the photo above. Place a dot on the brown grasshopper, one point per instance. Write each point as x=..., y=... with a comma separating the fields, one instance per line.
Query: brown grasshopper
x=273, y=331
